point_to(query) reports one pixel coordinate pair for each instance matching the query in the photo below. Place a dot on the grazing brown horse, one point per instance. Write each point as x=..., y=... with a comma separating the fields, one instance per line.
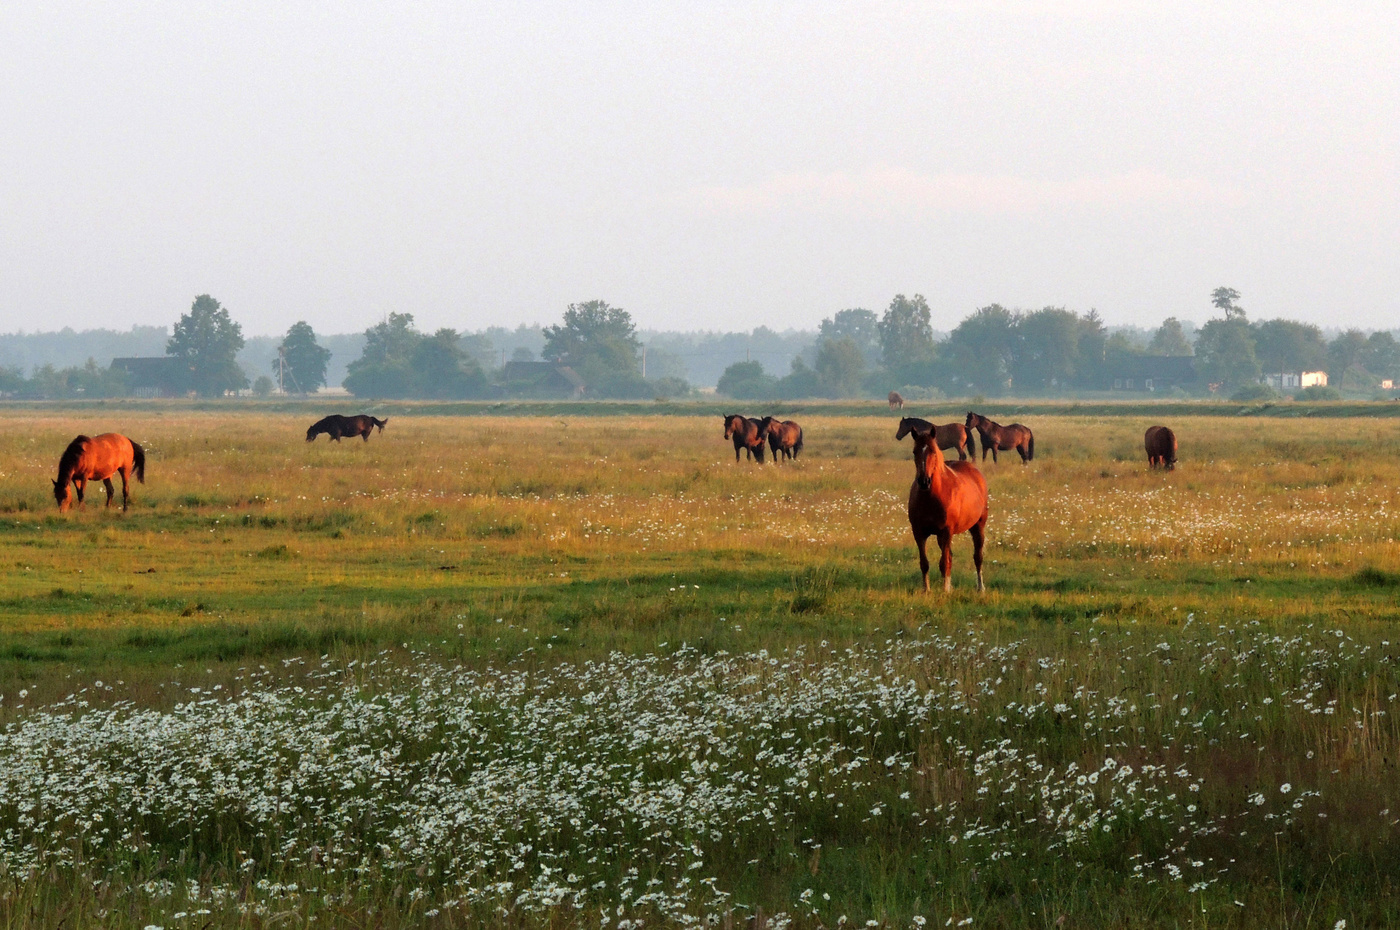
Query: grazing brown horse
x=896, y=402
x=949, y=435
x=98, y=458
x=995, y=436
x=338, y=427
x=945, y=500
x=784, y=436
x=747, y=433
x=1161, y=447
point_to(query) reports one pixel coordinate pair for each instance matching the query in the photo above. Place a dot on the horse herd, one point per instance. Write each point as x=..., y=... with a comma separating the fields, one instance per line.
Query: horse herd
x=945, y=500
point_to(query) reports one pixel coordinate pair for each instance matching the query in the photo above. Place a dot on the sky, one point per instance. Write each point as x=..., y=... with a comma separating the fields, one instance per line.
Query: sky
x=702, y=165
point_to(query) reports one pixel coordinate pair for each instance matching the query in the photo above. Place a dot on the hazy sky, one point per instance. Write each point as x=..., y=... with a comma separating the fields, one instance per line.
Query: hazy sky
x=704, y=165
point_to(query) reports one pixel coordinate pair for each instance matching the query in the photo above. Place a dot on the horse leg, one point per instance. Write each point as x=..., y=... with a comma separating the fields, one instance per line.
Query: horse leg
x=80, y=484
x=107, y=483
x=945, y=560
x=922, y=542
x=962, y=451
x=979, y=538
x=994, y=454
x=126, y=487
x=1022, y=450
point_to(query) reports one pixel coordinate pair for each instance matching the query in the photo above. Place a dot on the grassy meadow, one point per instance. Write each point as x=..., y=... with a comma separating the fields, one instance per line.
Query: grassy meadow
x=587, y=671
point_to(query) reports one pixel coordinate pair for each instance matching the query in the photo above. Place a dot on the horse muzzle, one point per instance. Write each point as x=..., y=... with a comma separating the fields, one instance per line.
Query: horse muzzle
x=925, y=482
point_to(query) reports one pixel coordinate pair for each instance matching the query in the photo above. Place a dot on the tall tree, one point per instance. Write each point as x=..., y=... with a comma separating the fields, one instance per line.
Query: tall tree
x=1047, y=351
x=860, y=326
x=1381, y=357
x=206, y=341
x=981, y=350
x=304, y=360
x=906, y=332
x=1169, y=339
x=1342, y=353
x=1286, y=346
x=1225, y=353
x=840, y=365
x=596, y=340
x=385, y=367
x=1226, y=299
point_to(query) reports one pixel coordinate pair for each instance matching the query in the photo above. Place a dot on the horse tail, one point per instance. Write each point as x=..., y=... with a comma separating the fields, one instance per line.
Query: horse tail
x=797, y=446
x=1030, y=446
x=138, y=458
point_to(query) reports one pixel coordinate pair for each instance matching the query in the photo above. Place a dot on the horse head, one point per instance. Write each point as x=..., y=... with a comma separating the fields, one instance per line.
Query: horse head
x=61, y=494
x=909, y=425
x=732, y=423
x=311, y=434
x=973, y=420
x=926, y=457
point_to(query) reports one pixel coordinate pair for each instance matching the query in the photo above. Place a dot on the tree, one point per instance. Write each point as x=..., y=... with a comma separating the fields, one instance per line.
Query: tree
x=595, y=340
x=384, y=368
x=860, y=326
x=301, y=362
x=906, y=333
x=746, y=381
x=1225, y=353
x=981, y=351
x=1169, y=339
x=1048, y=348
x=1342, y=353
x=1381, y=357
x=441, y=370
x=1284, y=346
x=1224, y=298
x=206, y=341
x=840, y=365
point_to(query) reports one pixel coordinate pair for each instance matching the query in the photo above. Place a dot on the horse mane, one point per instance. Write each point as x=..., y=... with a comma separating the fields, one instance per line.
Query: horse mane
x=69, y=460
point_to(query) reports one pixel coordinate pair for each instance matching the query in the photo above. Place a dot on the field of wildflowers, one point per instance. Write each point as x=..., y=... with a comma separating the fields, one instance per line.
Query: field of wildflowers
x=589, y=672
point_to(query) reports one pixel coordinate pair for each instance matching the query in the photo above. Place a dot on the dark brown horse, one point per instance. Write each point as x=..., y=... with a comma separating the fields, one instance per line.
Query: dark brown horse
x=1161, y=447
x=945, y=500
x=995, y=436
x=338, y=427
x=98, y=458
x=949, y=435
x=784, y=437
x=747, y=433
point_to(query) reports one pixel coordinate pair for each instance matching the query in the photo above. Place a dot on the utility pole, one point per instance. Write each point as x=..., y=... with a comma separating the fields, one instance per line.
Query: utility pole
x=281, y=367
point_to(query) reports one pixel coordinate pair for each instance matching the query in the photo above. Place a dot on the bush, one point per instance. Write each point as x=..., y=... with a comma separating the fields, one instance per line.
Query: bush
x=1252, y=393
x=1318, y=392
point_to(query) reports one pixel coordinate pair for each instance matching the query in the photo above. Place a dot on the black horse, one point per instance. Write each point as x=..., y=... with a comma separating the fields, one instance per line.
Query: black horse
x=338, y=427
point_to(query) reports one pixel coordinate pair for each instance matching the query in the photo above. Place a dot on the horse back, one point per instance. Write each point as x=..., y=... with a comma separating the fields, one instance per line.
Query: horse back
x=99, y=457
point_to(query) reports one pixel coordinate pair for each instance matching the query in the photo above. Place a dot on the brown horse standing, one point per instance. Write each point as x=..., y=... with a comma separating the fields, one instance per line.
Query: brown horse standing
x=784, y=436
x=949, y=435
x=945, y=500
x=747, y=433
x=995, y=436
x=1161, y=447
x=338, y=427
x=896, y=402
x=98, y=458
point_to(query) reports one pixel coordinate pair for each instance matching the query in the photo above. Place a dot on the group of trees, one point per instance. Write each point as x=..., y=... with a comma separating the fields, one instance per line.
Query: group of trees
x=995, y=350
x=399, y=361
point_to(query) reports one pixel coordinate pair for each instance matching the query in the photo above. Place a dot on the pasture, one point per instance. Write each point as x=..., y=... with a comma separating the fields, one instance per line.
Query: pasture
x=587, y=671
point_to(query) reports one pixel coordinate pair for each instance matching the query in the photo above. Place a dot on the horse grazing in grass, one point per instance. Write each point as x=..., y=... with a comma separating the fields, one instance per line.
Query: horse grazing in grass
x=896, y=402
x=995, y=436
x=945, y=500
x=338, y=427
x=98, y=458
x=784, y=436
x=747, y=433
x=1161, y=447
x=949, y=435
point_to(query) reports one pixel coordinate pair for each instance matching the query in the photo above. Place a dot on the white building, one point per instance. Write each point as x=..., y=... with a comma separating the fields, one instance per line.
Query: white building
x=1294, y=380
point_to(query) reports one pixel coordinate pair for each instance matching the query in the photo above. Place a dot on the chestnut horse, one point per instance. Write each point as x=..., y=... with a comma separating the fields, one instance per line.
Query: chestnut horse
x=945, y=500
x=1161, y=447
x=338, y=427
x=896, y=402
x=98, y=458
x=949, y=435
x=995, y=436
x=747, y=433
x=784, y=436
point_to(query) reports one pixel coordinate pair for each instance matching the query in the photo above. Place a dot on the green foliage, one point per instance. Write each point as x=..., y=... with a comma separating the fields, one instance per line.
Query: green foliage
x=399, y=361
x=1170, y=339
x=206, y=340
x=981, y=350
x=1287, y=346
x=840, y=365
x=600, y=343
x=263, y=385
x=746, y=381
x=1254, y=393
x=1225, y=353
x=305, y=360
x=1318, y=392
x=906, y=333
x=862, y=327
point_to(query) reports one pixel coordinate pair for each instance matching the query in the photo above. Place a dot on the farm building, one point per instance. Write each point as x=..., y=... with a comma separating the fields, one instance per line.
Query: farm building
x=1294, y=380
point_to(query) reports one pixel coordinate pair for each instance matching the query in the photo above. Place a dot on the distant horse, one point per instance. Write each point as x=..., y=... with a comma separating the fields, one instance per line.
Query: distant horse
x=945, y=500
x=995, y=436
x=99, y=458
x=1161, y=447
x=747, y=433
x=784, y=436
x=896, y=402
x=338, y=427
x=949, y=435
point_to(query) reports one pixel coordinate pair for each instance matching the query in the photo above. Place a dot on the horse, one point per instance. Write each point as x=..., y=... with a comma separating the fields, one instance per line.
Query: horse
x=784, y=436
x=747, y=433
x=98, y=458
x=946, y=499
x=995, y=436
x=949, y=435
x=1161, y=447
x=896, y=402
x=338, y=427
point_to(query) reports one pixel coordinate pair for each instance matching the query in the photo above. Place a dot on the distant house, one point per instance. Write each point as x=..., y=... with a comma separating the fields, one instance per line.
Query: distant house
x=1294, y=380
x=541, y=379
x=151, y=376
x=1153, y=373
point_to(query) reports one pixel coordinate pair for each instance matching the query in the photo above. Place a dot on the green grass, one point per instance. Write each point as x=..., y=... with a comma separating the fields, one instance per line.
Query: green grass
x=539, y=534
